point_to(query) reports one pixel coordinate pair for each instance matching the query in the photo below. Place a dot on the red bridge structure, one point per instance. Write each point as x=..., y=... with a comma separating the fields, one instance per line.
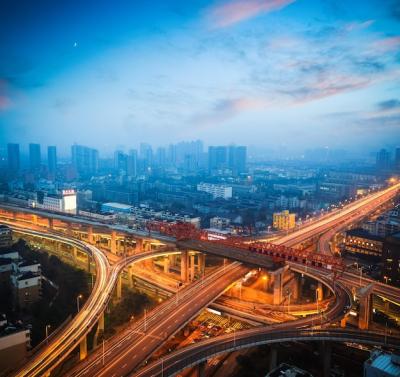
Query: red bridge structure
x=183, y=231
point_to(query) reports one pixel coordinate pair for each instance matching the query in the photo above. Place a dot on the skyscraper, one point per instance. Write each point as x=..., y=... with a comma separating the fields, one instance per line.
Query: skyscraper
x=132, y=163
x=217, y=158
x=13, y=159
x=397, y=159
x=85, y=159
x=383, y=160
x=34, y=156
x=237, y=159
x=52, y=159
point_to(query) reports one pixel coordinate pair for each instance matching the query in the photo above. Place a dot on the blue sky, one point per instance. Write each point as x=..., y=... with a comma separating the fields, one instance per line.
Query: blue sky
x=270, y=73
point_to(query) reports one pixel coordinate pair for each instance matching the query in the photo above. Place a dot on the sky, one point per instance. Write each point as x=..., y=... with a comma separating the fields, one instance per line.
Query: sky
x=292, y=74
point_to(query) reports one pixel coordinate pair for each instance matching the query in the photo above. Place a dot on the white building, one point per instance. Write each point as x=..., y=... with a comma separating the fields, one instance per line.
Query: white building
x=65, y=202
x=217, y=191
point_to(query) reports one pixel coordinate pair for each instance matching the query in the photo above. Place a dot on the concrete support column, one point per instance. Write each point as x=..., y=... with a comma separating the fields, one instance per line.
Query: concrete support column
x=70, y=232
x=100, y=324
x=201, y=369
x=139, y=245
x=90, y=235
x=51, y=223
x=184, y=266
x=364, y=315
x=113, y=242
x=74, y=252
x=166, y=265
x=130, y=276
x=146, y=246
x=326, y=352
x=119, y=287
x=192, y=267
x=89, y=264
x=273, y=358
x=83, y=349
x=296, y=288
x=320, y=292
x=278, y=285
x=202, y=263
x=172, y=260
x=34, y=219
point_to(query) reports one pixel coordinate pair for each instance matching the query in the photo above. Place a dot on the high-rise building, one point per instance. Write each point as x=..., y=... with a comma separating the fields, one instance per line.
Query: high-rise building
x=52, y=159
x=146, y=154
x=237, y=159
x=131, y=163
x=13, y=159
x=120, y=161
x=284, y=220
x=34, y=156
x=383, y=160
x=85, y=159
x=217, y=158
x=397, y=158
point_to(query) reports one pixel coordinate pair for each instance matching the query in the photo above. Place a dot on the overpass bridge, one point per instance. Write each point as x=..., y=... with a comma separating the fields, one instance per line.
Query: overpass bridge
x=197, y=354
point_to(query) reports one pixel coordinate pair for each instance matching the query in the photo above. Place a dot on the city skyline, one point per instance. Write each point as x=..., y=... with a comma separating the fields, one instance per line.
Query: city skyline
x=263, y=73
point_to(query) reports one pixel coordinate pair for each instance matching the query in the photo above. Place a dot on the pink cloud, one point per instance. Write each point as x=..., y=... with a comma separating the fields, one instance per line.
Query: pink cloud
x=5, y=103
x=239, y=10
x=358, y=25
x=387, y=44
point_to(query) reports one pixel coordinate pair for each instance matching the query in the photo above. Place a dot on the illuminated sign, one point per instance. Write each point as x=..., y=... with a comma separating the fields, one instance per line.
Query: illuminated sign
x=68, y=192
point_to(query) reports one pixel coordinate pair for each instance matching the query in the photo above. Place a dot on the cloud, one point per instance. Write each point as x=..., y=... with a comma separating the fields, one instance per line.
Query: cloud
x=387, y=44
x=389, y=104
x=355, y=26
x=5, y=103
x=233, y=12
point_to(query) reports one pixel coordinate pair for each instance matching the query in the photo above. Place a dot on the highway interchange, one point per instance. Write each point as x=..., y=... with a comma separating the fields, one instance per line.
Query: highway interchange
x=107, y=275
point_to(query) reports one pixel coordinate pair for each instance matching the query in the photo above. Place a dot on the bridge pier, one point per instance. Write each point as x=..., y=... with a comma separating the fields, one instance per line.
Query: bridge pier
x=202, y=263
x=50, y=223
x=113, y=242
x=365, y=299
x=326, y=352
x=119, y=287
x=278, y=284
x=35, y=219
x=320, y=292
x=166, y=265
x=184, y=266
x=139, y=245
x=192, y=267
x=83, y=349
x=172, y=260
x=90, y=235
x=273, y=357
x=201, y=369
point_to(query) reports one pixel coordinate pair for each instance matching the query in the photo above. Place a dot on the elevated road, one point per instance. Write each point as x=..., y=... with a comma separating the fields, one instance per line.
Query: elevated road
x=192, y=355
x=48, y=357
x=130, y=349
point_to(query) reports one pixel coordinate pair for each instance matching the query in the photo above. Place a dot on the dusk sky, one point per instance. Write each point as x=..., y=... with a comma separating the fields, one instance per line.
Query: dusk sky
x=299, y=73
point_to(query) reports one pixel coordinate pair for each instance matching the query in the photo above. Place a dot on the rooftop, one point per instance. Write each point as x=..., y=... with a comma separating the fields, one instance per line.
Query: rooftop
x=117, y=205
x=385, y=362
x=363, y=234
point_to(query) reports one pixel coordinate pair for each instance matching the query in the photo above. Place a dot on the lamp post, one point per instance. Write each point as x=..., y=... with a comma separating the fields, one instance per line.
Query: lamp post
x=47, y=333
x=289, y=294
x=77, y=302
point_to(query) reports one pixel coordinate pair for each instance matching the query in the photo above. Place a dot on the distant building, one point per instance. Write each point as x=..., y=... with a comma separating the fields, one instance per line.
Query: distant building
x=116, y=208
x=64, y=202
x=382, y=364
x=52, y=159
x=13, y=158
x=391, y=260
x=14, y=345
x=5, y=236
x=289, y=371
x=131, y=163
x=220, y=223
x=35, y=158
x=383, y=160
x=85, y=159
x=27, y=288
x=284, y=220
x=217, y=158
x=6, y=268
x=237, y=157
x=217, y=191
x=106, y=217
x=360, y=243
x=397, y=159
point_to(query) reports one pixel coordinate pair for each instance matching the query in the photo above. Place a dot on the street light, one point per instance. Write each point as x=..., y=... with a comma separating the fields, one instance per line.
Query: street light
x=77, y=302
x=289, y=294
x=47, y=333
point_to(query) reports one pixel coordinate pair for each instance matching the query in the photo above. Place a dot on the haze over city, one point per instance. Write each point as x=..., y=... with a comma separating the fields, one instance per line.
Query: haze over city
x=199, y=188
x=290, y=73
